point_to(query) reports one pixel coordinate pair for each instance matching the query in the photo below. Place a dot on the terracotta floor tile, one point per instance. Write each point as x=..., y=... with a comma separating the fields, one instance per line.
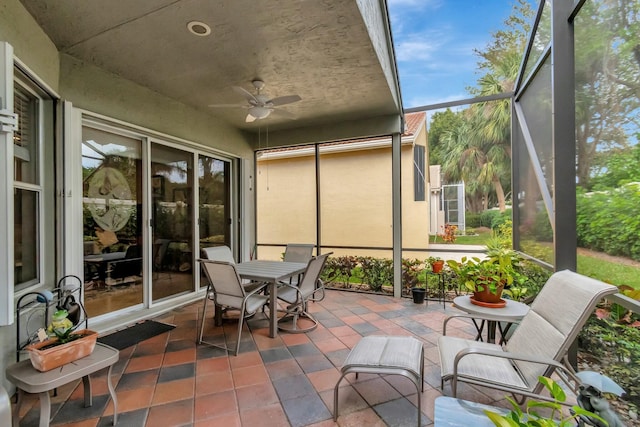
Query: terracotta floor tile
x=173, y=391
x=325, y=379
x=350, y=340
x=266, y=416
x=201, y=387
x=332, y=344
x=340, y=331
x=179, y=357
x=251, y=375
x=213, y=405
x=207, y=366
x=294, y=339
x=256, y=396
x=171, y=414
x=244, y=360
x=214, y=383
x=144, y=363
x=366, y=417
x=130, y=400
x=225, y=420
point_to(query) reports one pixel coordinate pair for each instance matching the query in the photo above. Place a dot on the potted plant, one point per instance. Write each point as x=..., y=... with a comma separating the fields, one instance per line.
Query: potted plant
x=436, y=263
x=410, y=278
x=531, y=415
x=64, y=344
x=487, y=278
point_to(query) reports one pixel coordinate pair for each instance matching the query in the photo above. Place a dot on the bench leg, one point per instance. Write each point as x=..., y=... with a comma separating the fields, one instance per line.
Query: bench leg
x=86, y=383
x=114, y=399
x=15, y=416
x=45, y=409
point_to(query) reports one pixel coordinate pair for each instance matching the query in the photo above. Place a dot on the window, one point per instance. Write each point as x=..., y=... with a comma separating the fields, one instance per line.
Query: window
x=27, y=189
x=418, y=173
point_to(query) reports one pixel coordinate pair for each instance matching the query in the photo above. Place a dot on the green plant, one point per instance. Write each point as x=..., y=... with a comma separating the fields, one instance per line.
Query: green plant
x=411, y=269
x=497, y=270
x=531, y=417
x=376, y=272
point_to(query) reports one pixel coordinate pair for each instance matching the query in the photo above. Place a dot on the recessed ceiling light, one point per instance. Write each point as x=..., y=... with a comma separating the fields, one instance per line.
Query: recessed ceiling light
x=199, y=28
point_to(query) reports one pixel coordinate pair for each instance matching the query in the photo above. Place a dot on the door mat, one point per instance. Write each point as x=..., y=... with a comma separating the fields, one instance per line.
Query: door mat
x=134, y=334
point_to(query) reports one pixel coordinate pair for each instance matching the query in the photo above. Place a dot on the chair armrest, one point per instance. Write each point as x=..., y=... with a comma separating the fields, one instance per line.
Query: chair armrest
x=517, y=356
x=261, y=286
x=478, y=317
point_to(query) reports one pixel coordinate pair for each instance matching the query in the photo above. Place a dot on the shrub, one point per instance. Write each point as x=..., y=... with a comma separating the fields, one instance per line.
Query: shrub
x=486, y=218
x=608, y=221
x=376, y=272
x=472, y=220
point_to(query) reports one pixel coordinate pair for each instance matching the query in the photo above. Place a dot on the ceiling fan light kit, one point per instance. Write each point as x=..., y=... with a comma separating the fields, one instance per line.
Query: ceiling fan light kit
x=259, y=105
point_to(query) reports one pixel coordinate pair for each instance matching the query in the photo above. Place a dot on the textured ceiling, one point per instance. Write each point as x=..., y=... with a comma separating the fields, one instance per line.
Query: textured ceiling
x=318, y=49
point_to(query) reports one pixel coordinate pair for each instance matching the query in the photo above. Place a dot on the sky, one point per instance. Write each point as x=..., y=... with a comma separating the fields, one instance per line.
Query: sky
x=434, y=42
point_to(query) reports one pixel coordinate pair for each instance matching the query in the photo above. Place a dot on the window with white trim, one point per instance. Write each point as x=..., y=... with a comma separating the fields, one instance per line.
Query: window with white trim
x=27, y=186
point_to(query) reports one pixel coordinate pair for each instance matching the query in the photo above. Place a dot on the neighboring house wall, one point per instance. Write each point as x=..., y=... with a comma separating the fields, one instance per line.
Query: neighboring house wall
x=355, y=198
x=415, y=214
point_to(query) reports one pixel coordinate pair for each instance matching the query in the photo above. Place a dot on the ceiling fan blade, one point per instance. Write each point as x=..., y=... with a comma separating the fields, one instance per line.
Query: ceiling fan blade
x=284, y=113
x=227, y=106
x=250, y=118
x=282, y=100
x=245, y=94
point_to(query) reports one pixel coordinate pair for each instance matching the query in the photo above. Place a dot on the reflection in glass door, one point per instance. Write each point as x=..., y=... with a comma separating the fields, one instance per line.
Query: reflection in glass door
x=214, y=211
x=171, y=213
x=112, y=218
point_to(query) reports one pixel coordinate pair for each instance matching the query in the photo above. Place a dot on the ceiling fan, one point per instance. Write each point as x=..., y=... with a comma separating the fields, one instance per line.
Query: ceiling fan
x=260, y=106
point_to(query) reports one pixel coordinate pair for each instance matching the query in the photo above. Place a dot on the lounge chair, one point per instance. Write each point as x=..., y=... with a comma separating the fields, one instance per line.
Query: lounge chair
x=537, y=347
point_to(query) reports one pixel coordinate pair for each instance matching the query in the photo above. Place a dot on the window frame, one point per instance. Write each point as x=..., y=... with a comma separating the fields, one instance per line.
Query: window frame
x=25, y=84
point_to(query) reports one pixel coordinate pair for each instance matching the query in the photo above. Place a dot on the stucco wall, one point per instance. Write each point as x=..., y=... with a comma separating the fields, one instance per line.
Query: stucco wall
x=287, y=207
x=356, y=203
x=96, y=90
x=415, y=214
x=30, y=44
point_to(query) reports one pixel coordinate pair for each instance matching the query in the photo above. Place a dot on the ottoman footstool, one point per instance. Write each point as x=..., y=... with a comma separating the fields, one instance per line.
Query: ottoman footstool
x=385, y=355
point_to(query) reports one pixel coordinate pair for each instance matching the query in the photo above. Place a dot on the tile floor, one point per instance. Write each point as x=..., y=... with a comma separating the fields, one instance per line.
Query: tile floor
x=168, y=380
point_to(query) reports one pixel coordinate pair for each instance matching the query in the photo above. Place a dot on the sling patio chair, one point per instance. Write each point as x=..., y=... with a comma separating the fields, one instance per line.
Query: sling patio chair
x=227, y=292
x=297, y=252
x=538, y=346
x=298, y=297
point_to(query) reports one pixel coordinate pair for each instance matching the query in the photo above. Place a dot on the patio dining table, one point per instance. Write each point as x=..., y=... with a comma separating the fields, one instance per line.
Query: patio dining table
x=272, y=272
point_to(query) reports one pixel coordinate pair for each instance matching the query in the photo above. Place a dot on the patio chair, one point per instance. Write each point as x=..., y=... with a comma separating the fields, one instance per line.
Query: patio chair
x=227, y=292
x=218, y=253
x=297, y=252
x=537, y=347
x=298, y=297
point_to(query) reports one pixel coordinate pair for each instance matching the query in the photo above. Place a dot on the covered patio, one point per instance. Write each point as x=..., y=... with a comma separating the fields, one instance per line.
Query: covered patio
x=289, y=380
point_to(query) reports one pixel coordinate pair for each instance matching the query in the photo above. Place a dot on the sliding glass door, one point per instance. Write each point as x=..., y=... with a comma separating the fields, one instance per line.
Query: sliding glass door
x=112, y=220
x=172, y=221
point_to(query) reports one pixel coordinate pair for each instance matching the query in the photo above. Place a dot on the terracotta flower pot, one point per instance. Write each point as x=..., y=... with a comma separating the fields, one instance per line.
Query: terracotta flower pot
x=486, y=296
x=437, y=266
x=53, y=356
